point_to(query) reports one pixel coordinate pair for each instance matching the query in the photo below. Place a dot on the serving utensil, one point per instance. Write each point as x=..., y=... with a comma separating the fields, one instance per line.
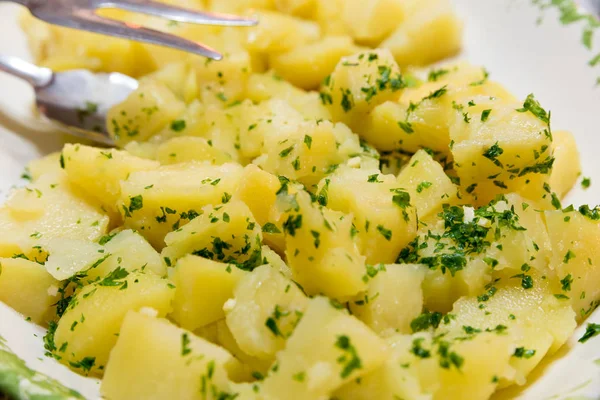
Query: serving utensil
x=81, y=14
x=76, y=100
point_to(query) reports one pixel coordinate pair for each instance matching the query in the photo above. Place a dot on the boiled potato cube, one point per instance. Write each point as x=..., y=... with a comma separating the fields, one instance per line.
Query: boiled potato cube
x=418, y=369
x=184, y=366
x=188, y=148
x=145, y=112
x=361, y=82
x=159, y=201
x=308, y=65
x=567, y=167
x=227, y=233
x=89, y=327
x=428, y=185
x=44, y=165
x=328, y=15
x=575, y=237
x=384, y=219
x=301, y=8
x=269, y=86
x=49, y=208
x=428, y=34
x=99, y=172
x=278, y=32
x=321, y=251
x=309, y=151
x=370, y=22
x=501, y=148
x=537, y=321
x=264, y=311
x=422, y=116
x=393, y=298
x=202, y=288
x=315, y=362
x=90, y=261
x=27, y=287
x=251, y=365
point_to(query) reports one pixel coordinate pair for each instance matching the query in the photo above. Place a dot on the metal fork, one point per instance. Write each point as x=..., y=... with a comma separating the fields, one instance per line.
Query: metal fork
x=81, y=14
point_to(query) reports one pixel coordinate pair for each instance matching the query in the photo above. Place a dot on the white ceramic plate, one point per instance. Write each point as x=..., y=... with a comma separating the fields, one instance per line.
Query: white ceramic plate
x=528, y=55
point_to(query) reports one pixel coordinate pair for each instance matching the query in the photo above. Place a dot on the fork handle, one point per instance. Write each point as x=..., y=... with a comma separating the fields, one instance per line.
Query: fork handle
x=37, y=77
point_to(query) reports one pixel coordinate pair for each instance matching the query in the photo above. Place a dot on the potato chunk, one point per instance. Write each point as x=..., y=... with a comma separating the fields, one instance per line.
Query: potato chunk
x=567, y=166
x=502, y=147
x=27, y=287
x=428, y=185
x=49, y=208
x=227, y=233
x=320, y=249
x=361, y=82
x=308, y=65
x=186, y=149
x=575, y=239
x=327, y=349
x=371, y=21
x=430, y=32
x=393, y=298
x=264, y=311
x=536, y=321
x=184, y=366
x=157, y=202
x=89, y=327
x=202, y=287
x=384, y=219
x=145, y=112
x=99, y=172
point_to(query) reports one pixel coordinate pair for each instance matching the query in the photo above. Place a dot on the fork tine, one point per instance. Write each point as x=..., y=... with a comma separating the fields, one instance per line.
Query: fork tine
x=178, y=14
x=89, y=21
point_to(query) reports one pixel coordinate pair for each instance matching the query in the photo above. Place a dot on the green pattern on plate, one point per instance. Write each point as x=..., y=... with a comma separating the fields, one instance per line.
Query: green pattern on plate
x=19, y=382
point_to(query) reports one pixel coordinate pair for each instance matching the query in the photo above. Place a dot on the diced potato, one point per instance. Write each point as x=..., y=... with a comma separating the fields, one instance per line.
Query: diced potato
x=575, y=240
x=567, y=167
x=264, y=311
x=145, y=150
x=145, y=112
x=91, y=261
x=371, y=21
x=328, y=15
x=183, y=366
x=99, y=172
x=540, y=323
x=428, y=185
x=361, y=82
x=227, y=233
x=279, y=32
x=422, y=116
x=272, y=258
x=384, y=219
x=251, y=365
x=89, y=327
x=501, y=148
x=465, y=245
x=309, y=151
x=393, y=298
x=202, y=288
x=27, y=287
x=321, y=251
x=129, y=250
x=159, y=201
x=49, y=208
x=186, y=149
x=68, y=257
x=44, y=165
x=316, y=361
x=308, y=65
x=459, y=373
x=428, y=34
x=301, y=8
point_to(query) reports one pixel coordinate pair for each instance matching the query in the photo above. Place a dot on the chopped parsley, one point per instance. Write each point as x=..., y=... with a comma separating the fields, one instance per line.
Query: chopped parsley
x=349, y=359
